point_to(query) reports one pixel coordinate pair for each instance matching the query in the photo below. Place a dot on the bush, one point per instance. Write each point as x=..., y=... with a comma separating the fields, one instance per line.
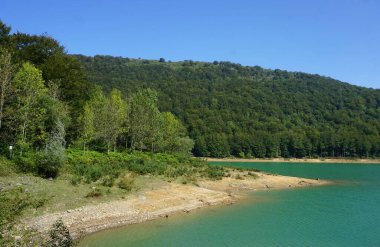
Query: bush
x=12, y=203
x=94, y=166
x=6, y=167
x=75, y=180
x=27, y=162
x=108, y=181
x=214, y=172
x=53, y=157
x=59, y=235
x=49, y=163
x=95, y=192
x=127, y=182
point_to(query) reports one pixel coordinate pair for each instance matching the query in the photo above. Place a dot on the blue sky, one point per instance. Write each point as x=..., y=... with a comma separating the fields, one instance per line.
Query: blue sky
x=336, y=38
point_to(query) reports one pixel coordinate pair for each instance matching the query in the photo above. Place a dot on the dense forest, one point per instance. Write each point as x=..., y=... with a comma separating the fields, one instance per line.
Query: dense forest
x=47, y=104
x=104, y=103
x=230, y=109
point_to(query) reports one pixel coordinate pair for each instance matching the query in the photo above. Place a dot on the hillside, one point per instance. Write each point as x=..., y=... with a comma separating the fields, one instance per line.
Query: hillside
x=230, y=109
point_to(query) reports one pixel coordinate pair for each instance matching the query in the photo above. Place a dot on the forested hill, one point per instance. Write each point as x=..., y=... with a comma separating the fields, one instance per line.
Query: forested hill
x=231, y=109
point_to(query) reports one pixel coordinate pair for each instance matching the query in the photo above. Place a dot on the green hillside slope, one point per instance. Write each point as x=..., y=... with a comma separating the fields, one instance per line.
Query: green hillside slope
x=231, y=109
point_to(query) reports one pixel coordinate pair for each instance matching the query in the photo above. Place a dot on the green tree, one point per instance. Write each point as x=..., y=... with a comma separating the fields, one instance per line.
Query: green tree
x=144, y=120
x=174, y=139
x=28, y=114
x=111, y=119
x=6, y=73
x=86, y=121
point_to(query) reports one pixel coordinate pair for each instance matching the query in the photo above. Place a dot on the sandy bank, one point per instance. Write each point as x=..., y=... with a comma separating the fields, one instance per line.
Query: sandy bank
x=294, y=160
x=163, y=201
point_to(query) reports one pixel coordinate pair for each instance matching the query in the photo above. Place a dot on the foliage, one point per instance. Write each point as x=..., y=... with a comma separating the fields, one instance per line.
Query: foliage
x=127, y=182
x=56, y=67
x=229, y=109
x=28, y=112
x=92, y=166
x=144, y=120
x=53, y=157
x=59, y=235
x=6, y=74
x=6, y=167
x=95, y=192
x=12, y=203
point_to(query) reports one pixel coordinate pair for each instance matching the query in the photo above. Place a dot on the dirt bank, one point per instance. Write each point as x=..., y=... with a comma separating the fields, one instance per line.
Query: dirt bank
x=168, y=199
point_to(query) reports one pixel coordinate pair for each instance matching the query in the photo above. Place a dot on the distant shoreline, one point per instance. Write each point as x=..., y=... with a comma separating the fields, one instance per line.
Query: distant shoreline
x=295, y=160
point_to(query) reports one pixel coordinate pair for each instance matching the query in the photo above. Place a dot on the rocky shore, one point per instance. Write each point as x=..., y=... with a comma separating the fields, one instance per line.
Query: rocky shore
x=163, y=201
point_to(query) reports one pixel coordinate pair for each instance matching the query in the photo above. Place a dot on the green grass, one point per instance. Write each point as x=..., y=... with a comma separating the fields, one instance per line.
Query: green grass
x=89, y=178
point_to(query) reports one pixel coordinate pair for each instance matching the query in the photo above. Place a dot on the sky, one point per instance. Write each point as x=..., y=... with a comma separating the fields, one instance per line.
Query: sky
x=335, y=38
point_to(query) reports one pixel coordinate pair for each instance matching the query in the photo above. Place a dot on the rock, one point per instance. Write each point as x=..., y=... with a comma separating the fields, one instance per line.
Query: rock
x=50, y=179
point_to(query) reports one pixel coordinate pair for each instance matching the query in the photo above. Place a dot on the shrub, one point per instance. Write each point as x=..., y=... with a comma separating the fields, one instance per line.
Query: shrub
x=53, y=157
x=59, y=235
x=95, y=192
x=12, y=203
x=75, y=180
x=214, y=172
x=127, y=182
x=6, y=167
x=108, y=181
x=49, y=163
x=27, y=162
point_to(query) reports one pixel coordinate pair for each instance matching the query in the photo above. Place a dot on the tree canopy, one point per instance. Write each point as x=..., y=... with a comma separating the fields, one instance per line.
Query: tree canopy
x=230, y=109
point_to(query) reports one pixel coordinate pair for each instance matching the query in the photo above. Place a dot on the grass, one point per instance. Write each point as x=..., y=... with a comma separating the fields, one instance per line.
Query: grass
x=113, y=175
x=89, y=178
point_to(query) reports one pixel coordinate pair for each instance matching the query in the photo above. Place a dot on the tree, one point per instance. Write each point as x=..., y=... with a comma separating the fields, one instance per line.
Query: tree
x=6, y=73
x=174, y=139
x=4, y=33
x=86, y=120
x=46, y=54
x=28, y=114
x=144, y=120
x=103, y=118
x=111, y=119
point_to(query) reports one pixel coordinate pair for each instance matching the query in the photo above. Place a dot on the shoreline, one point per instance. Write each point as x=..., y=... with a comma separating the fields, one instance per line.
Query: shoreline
x=295, y=160
x=169, y=199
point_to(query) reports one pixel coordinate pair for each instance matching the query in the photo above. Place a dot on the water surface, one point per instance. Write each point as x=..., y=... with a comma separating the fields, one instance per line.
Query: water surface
x=345, y=214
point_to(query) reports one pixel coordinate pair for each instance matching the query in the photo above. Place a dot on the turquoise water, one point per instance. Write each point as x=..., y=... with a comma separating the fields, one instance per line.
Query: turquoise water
x=345, y=214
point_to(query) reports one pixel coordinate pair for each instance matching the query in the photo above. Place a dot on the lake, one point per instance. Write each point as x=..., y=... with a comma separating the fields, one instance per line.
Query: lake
x=344, y=214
